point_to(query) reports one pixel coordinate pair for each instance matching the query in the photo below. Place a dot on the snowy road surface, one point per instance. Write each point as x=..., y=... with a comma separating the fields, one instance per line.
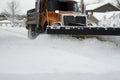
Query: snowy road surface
x=56, y=57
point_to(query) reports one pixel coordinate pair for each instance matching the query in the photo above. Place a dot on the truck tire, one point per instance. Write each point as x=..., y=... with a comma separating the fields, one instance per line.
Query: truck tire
x=45, y=26
x=31, y=32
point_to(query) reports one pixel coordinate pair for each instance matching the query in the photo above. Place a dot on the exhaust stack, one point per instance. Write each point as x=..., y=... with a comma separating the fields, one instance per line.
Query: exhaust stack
x=82, y=7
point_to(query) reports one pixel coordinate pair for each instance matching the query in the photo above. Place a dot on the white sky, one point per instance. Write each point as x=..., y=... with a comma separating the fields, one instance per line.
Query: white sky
x=28, y=4
x=24, y=5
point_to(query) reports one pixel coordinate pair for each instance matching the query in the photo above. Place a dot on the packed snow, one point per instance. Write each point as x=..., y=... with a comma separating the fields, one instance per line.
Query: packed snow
x=57, y=57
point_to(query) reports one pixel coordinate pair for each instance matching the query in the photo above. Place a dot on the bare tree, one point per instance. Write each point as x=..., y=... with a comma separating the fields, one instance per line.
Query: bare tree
x=5, y=14
x=118, y=3
x=13, y=10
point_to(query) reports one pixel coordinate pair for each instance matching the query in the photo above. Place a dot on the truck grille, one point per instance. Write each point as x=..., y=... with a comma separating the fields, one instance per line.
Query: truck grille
x=74, y=21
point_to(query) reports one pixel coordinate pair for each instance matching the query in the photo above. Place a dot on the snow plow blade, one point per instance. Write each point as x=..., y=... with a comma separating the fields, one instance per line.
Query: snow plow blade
x=85, y=31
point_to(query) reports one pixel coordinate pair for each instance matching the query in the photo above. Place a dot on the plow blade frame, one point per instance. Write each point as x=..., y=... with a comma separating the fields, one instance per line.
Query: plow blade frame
x=85, y=31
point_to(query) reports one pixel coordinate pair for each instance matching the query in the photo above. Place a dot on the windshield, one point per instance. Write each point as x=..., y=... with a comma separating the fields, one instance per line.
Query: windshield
x=62, y=5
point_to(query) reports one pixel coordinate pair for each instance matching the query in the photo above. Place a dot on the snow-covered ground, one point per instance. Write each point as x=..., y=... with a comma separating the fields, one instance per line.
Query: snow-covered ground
x=52, y=57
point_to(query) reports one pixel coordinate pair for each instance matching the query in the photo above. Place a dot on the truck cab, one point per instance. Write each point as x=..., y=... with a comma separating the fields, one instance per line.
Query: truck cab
x=54, y=14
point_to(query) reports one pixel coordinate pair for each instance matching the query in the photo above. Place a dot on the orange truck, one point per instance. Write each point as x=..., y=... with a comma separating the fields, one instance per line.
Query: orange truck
x=62, y=17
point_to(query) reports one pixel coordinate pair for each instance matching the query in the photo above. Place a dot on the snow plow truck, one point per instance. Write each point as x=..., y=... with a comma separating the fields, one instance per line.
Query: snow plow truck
x=62, y=17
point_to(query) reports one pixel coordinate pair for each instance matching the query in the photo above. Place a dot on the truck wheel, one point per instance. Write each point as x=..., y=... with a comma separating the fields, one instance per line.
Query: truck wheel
x=45, y=25
x=31, y=32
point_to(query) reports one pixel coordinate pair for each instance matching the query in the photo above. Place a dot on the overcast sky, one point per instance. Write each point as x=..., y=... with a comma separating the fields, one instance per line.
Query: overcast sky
x=24, y=4
x=28, y=4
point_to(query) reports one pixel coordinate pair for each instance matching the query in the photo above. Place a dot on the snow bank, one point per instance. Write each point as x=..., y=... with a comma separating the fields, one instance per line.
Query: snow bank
x=109, y=19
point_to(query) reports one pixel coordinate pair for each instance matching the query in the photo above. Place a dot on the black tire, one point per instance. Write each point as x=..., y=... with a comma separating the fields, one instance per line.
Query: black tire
x=45, y=26
x=31, y=32
x=39, y=29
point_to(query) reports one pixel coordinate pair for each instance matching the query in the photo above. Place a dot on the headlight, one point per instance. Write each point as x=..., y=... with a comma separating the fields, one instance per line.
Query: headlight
x=56, y=24
x=57, y=11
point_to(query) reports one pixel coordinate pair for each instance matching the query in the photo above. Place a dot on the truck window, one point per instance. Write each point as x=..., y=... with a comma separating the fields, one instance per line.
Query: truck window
x=68, y=6
x=53, y=5
x=62, y=5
